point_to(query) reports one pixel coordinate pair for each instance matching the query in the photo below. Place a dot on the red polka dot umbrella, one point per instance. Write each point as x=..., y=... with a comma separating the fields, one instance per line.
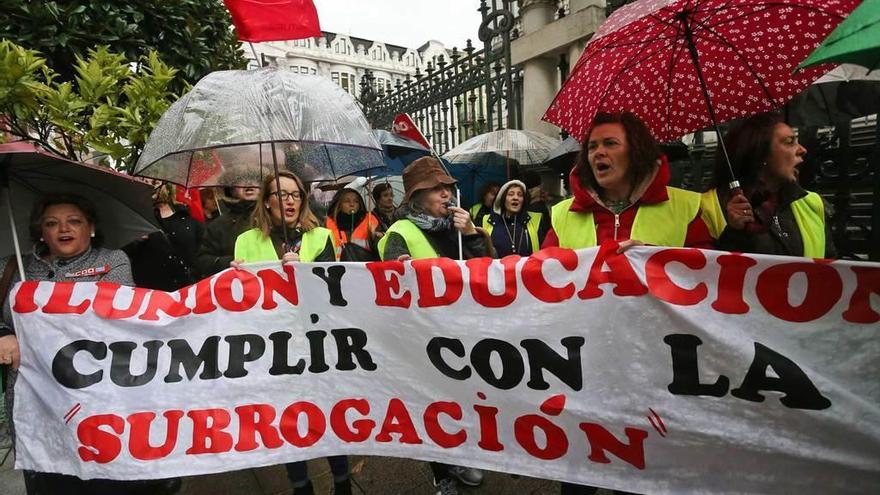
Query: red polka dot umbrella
x=682, y=65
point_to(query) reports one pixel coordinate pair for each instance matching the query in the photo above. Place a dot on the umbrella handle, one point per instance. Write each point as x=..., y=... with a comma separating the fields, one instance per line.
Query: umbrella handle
x=752, y=227
x=460, y=248
x=14, y=234
x=281, y=203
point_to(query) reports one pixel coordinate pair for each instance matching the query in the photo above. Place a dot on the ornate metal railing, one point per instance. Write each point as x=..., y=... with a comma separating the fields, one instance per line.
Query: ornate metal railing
x=476, y=91
x=471, y=92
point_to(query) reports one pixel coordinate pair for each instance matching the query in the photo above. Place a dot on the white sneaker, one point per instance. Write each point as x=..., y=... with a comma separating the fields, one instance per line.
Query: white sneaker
x=466, y=475
x=446, y=486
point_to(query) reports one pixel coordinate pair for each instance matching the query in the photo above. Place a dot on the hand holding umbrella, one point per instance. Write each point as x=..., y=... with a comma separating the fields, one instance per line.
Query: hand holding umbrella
x=683, y=65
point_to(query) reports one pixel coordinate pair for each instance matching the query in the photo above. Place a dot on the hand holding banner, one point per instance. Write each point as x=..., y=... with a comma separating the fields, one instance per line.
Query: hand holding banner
x=656, y=371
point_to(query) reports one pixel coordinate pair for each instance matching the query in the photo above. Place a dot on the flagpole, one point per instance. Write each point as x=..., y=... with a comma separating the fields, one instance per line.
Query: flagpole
x=256, y=57
x=411, y=123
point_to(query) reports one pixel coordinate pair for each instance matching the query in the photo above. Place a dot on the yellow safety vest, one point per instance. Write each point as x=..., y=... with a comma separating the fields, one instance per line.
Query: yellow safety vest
x=252, y=245
x=474, y=210
x=416, y=242
x=657, y=224
x=531, y=226
x=809, y=214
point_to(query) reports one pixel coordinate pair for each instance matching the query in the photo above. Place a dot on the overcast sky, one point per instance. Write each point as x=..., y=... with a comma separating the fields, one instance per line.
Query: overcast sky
x=408, y=23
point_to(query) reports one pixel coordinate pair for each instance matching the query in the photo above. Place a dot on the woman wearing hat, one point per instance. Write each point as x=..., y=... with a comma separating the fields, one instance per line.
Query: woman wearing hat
x=512, y=228
x=429, y=222
x=428, y=227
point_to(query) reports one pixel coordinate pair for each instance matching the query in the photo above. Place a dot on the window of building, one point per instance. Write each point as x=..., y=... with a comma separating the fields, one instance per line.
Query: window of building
x=303, y=69
x=294, y=69
x=314, y=71
x=346, y=81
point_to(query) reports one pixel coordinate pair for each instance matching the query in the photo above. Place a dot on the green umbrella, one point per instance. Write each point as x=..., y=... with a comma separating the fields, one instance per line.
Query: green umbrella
x=856, y=40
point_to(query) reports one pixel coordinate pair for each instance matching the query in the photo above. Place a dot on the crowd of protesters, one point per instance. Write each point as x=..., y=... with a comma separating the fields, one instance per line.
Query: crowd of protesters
x=620, y=192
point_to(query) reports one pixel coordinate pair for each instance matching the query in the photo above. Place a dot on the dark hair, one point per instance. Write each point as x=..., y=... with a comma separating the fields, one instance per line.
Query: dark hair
x=52, y=199
x=643, y=149
x=748, y=145
x=378, y=189
x=531, y=179
x=485, y=189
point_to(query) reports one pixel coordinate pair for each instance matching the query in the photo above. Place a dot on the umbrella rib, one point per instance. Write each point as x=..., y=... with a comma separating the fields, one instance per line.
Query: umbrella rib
x=639, y=42
x=624, y=69
x=764, y=7
x=630, y=64
x=613, y=44
x=675, y=54
x=720, y=39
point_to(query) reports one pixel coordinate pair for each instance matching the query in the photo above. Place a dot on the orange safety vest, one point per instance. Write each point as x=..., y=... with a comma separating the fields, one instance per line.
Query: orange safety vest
x=360, y=236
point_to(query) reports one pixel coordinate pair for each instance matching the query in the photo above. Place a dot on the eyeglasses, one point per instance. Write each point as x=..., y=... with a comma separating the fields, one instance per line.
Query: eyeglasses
x=285, y=195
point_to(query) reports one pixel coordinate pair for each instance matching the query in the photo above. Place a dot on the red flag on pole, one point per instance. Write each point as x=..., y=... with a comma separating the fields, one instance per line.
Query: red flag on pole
x=192, y=199
x=274, y=20
x=405, y=126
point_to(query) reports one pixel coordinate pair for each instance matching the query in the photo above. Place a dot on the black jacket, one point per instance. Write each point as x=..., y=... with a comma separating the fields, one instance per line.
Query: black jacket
x=185, y=234
x=218, y=244
x=783, y=236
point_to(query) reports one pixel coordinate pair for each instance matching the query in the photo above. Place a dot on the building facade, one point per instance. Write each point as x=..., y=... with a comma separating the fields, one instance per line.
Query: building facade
x=346, y=59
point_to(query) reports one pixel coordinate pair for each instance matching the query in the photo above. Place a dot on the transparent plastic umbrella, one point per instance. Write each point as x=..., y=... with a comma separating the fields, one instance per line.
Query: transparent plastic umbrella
x=235, y=124
x=243, y=124
x=500, y=147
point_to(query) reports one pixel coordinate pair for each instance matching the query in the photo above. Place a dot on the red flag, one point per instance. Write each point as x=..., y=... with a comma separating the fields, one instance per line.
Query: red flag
x=274, y=20
x=192, y=199
x=405, y=126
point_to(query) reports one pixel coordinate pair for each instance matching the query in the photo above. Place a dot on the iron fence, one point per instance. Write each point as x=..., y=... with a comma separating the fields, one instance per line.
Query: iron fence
x=477, y=91
x=471, y=92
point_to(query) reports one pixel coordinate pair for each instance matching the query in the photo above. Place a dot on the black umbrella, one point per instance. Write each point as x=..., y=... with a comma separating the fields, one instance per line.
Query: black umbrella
x=124, y=204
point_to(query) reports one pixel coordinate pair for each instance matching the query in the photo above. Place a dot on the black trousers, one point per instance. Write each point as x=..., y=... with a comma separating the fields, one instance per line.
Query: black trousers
x=63, y=484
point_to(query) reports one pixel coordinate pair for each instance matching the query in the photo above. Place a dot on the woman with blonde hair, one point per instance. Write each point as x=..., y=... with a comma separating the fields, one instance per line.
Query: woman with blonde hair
x=308, y=241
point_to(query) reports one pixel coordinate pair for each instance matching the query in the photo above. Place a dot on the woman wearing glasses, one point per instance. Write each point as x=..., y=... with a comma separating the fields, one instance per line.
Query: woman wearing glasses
x=308, y=242
x=265, y=242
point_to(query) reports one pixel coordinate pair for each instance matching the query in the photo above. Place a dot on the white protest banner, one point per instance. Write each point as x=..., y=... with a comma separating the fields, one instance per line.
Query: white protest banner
x=658, y=371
